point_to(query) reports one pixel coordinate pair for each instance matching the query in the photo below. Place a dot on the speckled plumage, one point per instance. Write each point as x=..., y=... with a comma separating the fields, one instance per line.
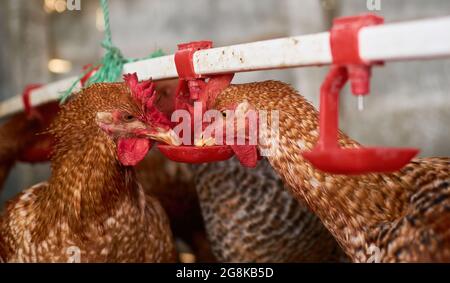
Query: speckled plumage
x=91, y=209
x=375, y=217
x=21, y=137
x=251, y=217
x=173, y=184
x=15, y=135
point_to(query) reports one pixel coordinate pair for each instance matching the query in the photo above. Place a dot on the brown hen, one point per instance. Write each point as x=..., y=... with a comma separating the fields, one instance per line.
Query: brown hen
x=20, y=138
x=170, y=182
x=92, y=209
x=403, y=216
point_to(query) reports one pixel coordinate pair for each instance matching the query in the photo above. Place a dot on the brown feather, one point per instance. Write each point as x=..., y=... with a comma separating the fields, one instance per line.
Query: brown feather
x=91, y=202
x=173, y=185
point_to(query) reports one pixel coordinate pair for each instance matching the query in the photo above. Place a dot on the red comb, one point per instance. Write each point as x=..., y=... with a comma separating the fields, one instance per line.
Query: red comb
x=144, y=93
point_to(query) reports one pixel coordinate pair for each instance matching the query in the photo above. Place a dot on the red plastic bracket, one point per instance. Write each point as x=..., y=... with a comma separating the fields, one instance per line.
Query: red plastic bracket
x=193, y=87
x=184, y=58
x=28, y=108
x=345, y=49
x=190, y=84
x=344, y=38
x=88, y=74
x=347, y=64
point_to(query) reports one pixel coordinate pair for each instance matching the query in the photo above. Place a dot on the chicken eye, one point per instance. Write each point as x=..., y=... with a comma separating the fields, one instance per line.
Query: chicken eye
x=224, y=114
x=128, y=118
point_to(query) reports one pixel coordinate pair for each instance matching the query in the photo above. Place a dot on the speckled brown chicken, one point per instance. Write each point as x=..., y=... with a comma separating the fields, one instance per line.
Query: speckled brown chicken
x=19, y=137
x=170, y=182
x=251, y=217
x=173, y=185
x=13, y=141
x=403, y=216
x=92, y=209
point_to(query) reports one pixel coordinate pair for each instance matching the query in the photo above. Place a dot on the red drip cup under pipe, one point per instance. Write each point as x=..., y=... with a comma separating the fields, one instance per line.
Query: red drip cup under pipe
x=329, y=157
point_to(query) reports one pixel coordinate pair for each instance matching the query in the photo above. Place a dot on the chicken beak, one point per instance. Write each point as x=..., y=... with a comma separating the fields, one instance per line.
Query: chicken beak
x=167, y=136
x=137, y=129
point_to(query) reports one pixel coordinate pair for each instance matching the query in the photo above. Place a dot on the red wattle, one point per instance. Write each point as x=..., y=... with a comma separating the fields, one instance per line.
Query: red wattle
x=132, y=150
x=246, y=154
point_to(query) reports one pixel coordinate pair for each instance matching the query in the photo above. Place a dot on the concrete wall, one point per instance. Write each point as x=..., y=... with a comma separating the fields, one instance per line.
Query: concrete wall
x=409, y=102
x=24, y=53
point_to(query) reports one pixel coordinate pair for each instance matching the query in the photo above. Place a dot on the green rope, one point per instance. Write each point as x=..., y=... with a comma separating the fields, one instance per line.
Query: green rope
x=111, y=65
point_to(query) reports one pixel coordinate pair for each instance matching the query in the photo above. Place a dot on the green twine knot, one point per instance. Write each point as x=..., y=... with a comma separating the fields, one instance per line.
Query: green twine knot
x=111, y=65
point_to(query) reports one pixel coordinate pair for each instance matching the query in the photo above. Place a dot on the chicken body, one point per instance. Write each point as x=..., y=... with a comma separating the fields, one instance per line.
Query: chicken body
x=13, y=134
x=251, y=217
x=173, y=184
x=375, y=217
x=92, y=209
x=20, y=133
x=135, y=231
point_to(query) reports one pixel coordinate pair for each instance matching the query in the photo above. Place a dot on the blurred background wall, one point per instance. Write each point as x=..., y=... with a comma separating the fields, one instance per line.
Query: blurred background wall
x=409, y=104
